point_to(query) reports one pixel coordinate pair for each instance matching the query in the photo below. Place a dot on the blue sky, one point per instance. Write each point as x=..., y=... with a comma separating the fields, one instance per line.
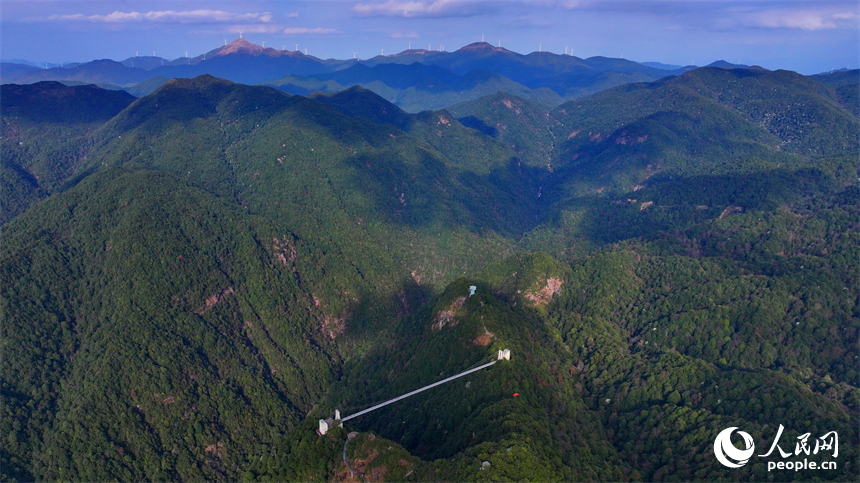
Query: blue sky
x=804, y=36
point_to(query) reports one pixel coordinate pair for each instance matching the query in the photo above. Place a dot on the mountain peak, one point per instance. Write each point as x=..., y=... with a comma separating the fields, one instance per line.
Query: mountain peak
x=722, y=64
x=243, y=46
x=238, y=46
x=480, y=47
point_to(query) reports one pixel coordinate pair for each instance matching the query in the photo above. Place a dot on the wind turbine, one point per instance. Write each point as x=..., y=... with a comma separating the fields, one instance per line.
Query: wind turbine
x=482, y=37
x=540, y=47
x=297, y=47
x=353, y=56
x=383, y=52
x=500, y=43
x=306, y=51
x=186, y=54
x=240, y=35
x=135, y=53
x=153, y=53
x=264, y=44
x=283, y=47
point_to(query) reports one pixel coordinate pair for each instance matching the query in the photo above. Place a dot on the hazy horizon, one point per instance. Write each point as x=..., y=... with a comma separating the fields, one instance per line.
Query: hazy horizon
x=802, y=36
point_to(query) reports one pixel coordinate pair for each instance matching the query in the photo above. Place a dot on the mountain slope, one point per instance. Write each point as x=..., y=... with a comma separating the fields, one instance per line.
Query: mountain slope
x=12, y=71
x=663, y=349
x=522, y=126
x=180, y=337
x=478, y=418
x=176, y=183
x=383, y=200
x=474, y=154
x=230, y=263
x=52, y=102
x=315, y=143
x=793, y=107
x=415, y=87
x=625, y=136
x=847, y=85
x=44, y=129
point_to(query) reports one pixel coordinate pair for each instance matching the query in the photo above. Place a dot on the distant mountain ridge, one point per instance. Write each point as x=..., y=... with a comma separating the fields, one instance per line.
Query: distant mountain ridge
x=415, y=79
x=245, y=62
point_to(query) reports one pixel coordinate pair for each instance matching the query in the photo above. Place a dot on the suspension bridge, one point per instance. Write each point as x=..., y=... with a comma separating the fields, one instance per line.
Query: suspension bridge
x=325, y=424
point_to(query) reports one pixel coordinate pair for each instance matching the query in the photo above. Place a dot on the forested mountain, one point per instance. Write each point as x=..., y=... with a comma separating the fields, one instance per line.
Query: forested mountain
x=416, y=87
x=45, y=128
x=521, y=125
x=415, y=80
x=705, y=122
x=191, y=279
x=419, y=80
x=847, y=85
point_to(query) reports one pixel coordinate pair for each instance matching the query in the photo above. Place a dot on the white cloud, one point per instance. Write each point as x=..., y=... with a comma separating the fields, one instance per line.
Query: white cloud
x=254, y=29
x=804, y=19
x=400, y=34
x=167, y=16
x=530, y=21
x=308, y=31
x=575, y=4
x=846, y=16
x=417, y=9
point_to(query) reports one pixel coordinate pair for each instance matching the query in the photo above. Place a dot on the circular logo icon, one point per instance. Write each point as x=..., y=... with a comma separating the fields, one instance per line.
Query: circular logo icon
x=725, y=451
